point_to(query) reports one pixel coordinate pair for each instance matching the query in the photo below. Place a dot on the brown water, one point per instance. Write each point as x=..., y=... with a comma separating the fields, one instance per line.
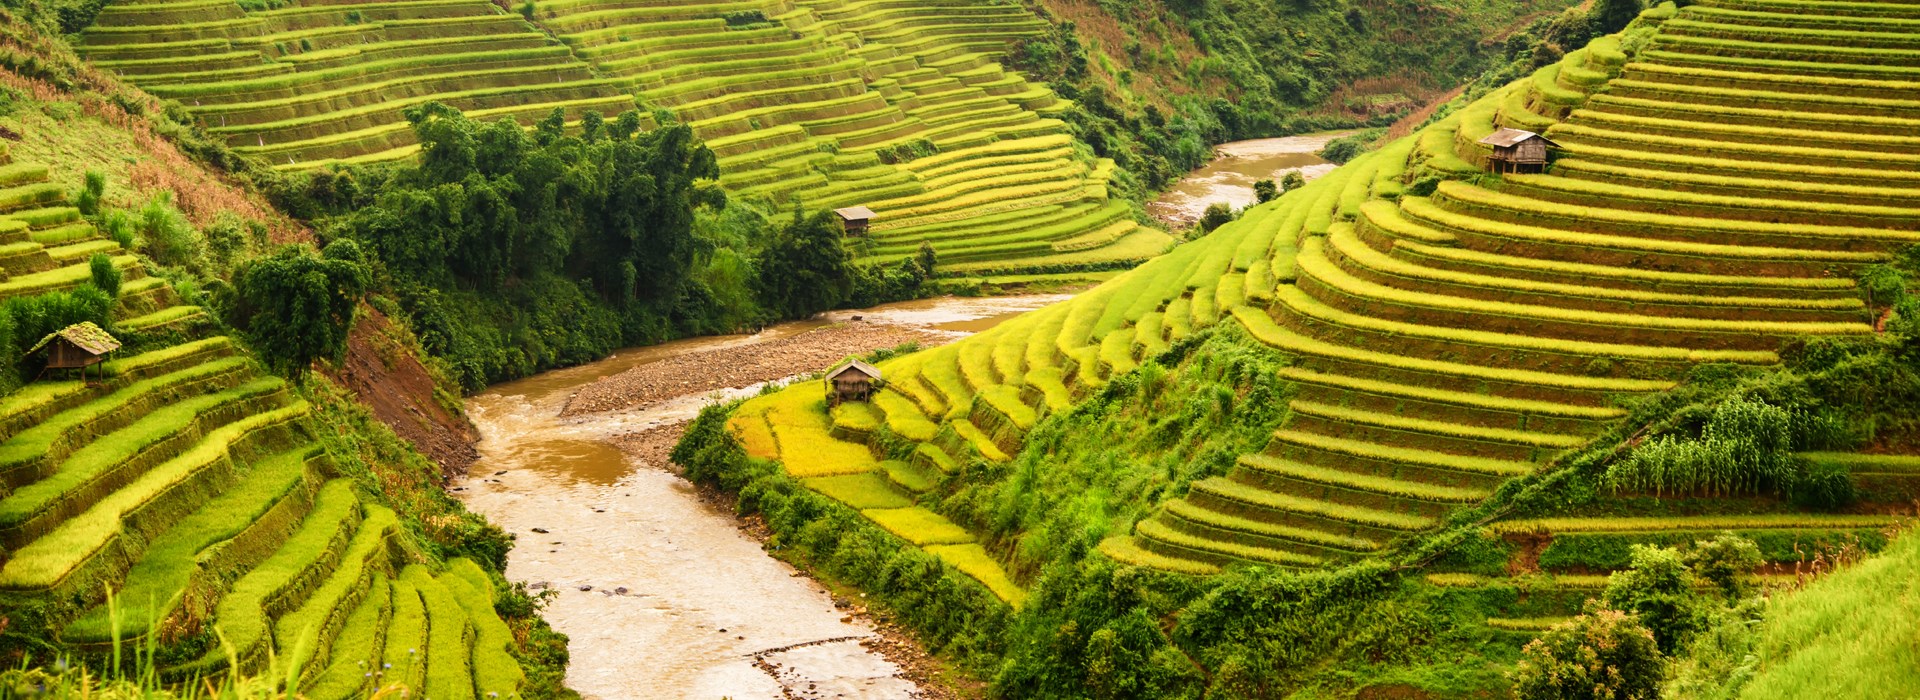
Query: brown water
x=678, y=602
x=1235, y=167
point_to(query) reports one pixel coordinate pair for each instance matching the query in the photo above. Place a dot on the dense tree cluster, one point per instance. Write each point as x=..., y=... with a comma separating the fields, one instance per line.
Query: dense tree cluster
x=296, y=307
x=516, y=250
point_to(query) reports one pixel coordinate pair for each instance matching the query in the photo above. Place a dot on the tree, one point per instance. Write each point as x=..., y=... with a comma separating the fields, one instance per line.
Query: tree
x=1603, y=654
x=297, y=307
x=1291, y=181
x=1265, y=191
x=805, y=269
x=1657, y=587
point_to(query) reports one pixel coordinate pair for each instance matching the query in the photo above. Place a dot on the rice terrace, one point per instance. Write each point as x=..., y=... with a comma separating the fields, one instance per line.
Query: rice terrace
x=888, y=349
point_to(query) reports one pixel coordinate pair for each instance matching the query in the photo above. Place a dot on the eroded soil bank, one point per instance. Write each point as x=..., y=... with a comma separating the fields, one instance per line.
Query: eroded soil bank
x=1235, y=167
x=663, y=594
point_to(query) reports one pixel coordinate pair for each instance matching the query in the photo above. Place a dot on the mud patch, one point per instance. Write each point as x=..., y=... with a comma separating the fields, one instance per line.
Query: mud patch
x=740, y=366
x=391, y=382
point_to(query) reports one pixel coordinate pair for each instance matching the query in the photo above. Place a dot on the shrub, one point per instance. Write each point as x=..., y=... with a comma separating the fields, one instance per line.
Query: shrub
x=1725, y=561
x=230, y=239
x=1658, y=588
x=1218, y=214
x=1424, y=187
x=1291, y=181
x=1265, y=190
x=167, y=235
x=1347, y=148
x=741, y=18
x=119, y=226
x=88, y=201
x=106, y=277
x=1601, y=655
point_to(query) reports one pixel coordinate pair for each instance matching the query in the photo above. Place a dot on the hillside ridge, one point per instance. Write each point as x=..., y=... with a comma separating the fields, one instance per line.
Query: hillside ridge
x=1451, y=329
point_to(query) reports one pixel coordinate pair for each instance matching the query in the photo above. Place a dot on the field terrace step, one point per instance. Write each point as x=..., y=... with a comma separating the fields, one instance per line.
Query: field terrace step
x=399, y=135
x=356, y=654
x=1883, y=37
x=74, y=562
x=939, y=85
x=1558, y=245
x=1892, y=194
x=1433, y=325
x=1466, y=408
x=244, y=117
x=279, y=583
x=1901, y=108
x=1838, y=8
x=1734, y=79
x=1507, y=207
x=38, y=505
x=1193, y=540
x=334, y=122
x=1615, y=135
x=1359, y=259
x=191, y=558
x=1631, y=156
x=322, y=77
x=303, y=636
x=1583, y=544
x=1796, y=20
x=1398, y=430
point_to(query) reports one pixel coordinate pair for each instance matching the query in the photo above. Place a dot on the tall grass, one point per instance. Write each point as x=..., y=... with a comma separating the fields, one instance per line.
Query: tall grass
x=130, y=674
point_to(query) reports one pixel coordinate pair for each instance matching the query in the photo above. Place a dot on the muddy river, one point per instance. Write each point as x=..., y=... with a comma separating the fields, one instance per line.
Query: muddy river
x=662, y=595
x=1235, y=167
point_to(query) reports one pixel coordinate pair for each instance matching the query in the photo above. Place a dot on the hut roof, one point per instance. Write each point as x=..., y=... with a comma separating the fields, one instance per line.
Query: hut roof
x=856, y=365
x=854, y=213
x=83, y=335
x=1509, y=137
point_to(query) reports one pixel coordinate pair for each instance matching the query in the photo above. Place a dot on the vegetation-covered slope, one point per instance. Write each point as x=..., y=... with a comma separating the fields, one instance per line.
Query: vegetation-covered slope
x=185, y=483
x=1837, y=636
x=179, y=498
x=902, y=108
x=1724, y=173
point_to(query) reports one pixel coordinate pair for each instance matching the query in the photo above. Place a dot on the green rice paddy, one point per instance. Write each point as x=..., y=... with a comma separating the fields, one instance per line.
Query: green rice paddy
x=1710, y=200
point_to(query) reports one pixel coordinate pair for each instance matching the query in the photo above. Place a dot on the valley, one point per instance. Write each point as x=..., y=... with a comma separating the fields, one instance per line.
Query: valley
x=659, y=591
x=1204, y=349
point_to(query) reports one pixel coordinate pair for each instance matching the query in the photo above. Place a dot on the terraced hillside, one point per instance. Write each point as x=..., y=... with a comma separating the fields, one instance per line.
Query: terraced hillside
x=1711, y=197
x=838, y=103
x=312, y=83
x=184, y=479
x=901, y=107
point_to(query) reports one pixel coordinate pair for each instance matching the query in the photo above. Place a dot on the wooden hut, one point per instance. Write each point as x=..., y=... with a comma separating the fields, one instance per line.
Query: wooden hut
x=1517, y=151
x=78, y=346
x=852, y=380
x=855, y=219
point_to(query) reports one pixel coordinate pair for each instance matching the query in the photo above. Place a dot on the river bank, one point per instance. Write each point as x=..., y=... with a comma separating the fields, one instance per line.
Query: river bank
x=662, y=590
x=1235, y=167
